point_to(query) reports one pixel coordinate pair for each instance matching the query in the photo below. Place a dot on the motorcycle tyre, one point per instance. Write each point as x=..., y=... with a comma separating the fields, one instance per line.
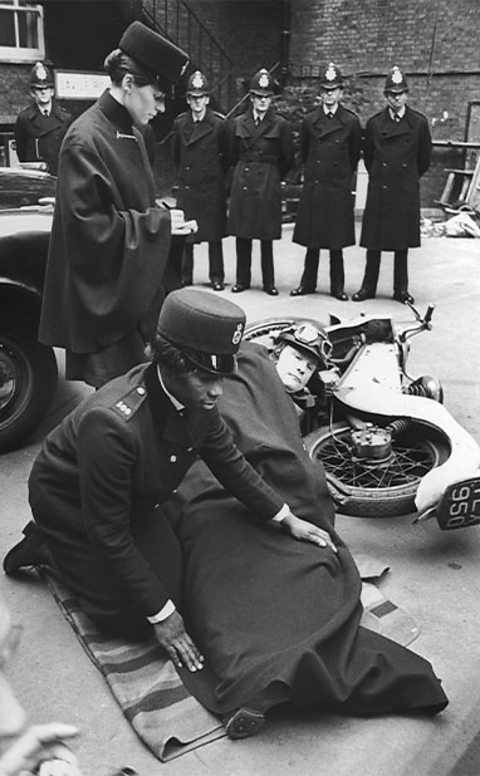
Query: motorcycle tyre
x=368, y=502
x=36, y=375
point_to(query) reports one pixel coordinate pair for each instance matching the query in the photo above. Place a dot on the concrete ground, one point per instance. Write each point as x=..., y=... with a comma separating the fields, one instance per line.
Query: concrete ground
x=433, y=575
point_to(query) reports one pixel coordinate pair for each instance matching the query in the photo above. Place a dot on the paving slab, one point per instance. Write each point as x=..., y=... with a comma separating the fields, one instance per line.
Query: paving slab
x=433, y=575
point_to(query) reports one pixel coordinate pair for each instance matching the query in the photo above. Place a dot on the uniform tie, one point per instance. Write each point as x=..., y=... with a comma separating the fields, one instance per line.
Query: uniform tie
x=329, y=115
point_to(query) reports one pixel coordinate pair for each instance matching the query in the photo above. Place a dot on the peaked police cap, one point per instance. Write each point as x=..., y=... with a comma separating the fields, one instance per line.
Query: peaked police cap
x=207, y=329
x=396, y=81
x=155, y=53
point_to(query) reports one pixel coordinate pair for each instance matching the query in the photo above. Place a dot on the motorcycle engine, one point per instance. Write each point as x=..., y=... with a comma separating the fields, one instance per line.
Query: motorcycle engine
x=371, y=446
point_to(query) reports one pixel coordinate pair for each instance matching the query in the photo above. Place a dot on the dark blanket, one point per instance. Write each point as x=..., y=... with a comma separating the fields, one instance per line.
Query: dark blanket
x=278, y=620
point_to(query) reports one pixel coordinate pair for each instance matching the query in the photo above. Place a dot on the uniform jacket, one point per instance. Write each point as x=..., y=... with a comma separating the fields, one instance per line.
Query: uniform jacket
x=261, y=156
x=330, y=150
x=396, y=156
x=115, y=460
x=200, y=156
x=109, y=242
x=39, y=137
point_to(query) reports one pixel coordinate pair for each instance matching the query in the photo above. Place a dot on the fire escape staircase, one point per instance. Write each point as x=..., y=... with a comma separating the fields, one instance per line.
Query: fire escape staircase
x=177, y=21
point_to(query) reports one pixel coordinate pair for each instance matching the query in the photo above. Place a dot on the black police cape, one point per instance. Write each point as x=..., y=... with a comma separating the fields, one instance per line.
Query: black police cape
x=278, y=620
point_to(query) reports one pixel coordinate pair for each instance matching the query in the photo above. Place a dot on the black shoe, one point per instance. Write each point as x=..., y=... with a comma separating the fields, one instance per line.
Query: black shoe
x=271, y=290
x=339, y=295
x=218, y=286
x=363, y=294
x=238, y=288
x=301, y=291
x=28, y=552
x=404, y=296
x=244, y=723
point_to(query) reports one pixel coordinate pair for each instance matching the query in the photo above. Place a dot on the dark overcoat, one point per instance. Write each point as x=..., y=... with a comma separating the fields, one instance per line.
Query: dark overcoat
x=101, y=479
x=200, y=155
x=330, y=150
x=110, y=242
x=261, y=156
x=39, y=137
x=396, y=156
x=278, y=621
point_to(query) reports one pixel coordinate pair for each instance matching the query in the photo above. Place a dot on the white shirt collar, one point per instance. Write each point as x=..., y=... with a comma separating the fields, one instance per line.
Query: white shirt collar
x=333, y=110
x=177, y=404
x=400, y=113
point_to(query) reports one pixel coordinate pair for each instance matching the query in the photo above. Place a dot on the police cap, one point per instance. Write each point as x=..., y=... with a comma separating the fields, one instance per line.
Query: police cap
x=40, y=77
x=262, y=84
x=331, y=77
x=396, y=81
x=197, y=85
x=208, y=329
x=155, y=53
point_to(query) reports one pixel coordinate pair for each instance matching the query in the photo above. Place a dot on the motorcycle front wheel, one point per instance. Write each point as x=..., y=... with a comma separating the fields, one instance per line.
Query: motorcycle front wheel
x=384, y=490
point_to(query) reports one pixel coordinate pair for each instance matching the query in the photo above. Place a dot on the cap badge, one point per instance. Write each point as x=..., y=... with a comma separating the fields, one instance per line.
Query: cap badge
x=263, y=81
x=330, y=73
x=41, y=72
x=197, y=80
x=237, y=334
x=397, y=77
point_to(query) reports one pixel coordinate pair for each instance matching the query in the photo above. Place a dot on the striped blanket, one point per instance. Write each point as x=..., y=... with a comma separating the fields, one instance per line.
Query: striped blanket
x=145, y=684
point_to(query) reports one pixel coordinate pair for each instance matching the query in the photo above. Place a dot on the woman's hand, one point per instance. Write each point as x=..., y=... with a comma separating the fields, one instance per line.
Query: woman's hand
x=307, y=532
x=175, y=640
x=41, y=750
x=179, y=225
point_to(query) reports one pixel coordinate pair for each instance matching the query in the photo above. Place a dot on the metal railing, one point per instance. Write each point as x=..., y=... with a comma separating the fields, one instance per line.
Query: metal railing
x=179, y=23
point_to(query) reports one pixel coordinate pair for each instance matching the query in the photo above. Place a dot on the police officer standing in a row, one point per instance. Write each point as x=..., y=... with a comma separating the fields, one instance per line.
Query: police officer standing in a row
x=41, y=127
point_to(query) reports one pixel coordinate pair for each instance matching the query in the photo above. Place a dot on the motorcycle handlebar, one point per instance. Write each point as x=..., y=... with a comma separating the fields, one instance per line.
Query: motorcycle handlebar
x=429, y=313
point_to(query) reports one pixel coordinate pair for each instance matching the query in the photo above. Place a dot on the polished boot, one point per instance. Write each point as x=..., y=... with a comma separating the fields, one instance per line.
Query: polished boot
x=187, y=265
x=244, y=264
x=368, y=289
x=400, y=277
x=215, y=260
x=337, y=275
x=268, y=275
x=30, y=551
x=308, y=281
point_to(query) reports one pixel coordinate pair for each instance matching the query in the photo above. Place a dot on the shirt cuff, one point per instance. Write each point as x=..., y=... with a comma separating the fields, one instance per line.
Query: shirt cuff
x=164, y=612
x=281, y=514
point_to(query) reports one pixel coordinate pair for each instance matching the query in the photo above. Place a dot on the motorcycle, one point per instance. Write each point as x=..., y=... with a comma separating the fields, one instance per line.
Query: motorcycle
x=387, y=443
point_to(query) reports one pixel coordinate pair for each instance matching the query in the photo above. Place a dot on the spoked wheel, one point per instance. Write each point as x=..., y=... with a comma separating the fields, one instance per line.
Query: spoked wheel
x=367, y=488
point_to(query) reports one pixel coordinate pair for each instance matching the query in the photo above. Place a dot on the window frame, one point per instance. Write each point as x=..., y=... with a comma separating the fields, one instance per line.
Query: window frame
x=19, y=54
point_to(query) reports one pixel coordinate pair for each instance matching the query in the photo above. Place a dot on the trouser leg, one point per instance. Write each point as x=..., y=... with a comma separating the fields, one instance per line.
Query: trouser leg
x=244, y=261
x=310, y=269
x=187, y=265
x=400, y=272
x=266, y=255
x=372, y=269
x=215, y=259
x=337, y=272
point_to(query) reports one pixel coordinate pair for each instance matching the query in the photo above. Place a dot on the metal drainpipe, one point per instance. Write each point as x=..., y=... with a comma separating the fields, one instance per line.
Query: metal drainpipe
x=285, y=41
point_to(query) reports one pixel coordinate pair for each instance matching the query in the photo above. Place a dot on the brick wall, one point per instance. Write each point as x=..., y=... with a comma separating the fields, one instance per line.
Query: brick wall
x=434, y=41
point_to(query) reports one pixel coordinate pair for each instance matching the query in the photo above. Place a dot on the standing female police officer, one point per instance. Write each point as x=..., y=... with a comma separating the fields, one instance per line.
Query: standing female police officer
x=110, y=242
x=262, y=152
x=102, y=485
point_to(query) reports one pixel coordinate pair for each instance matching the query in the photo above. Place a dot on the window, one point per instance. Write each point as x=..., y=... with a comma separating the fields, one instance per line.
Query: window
x=21, y=31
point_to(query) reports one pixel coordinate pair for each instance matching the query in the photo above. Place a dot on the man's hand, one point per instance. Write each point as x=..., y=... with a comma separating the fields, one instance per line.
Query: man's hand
x=175, y=640
x=307, y=532
x=41, y=751
x=179, y=225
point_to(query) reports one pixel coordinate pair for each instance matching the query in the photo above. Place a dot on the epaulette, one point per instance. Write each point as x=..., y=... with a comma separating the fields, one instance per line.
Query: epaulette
x=183, y=115
x=127, y=405
x=349, y=110
x=219, y=115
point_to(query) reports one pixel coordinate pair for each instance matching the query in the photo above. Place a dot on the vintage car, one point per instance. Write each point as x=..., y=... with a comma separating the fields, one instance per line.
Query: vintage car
x=28, y=370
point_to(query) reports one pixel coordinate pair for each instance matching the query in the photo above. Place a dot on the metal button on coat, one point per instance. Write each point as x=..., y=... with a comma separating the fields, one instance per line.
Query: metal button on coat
x=173, y=458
